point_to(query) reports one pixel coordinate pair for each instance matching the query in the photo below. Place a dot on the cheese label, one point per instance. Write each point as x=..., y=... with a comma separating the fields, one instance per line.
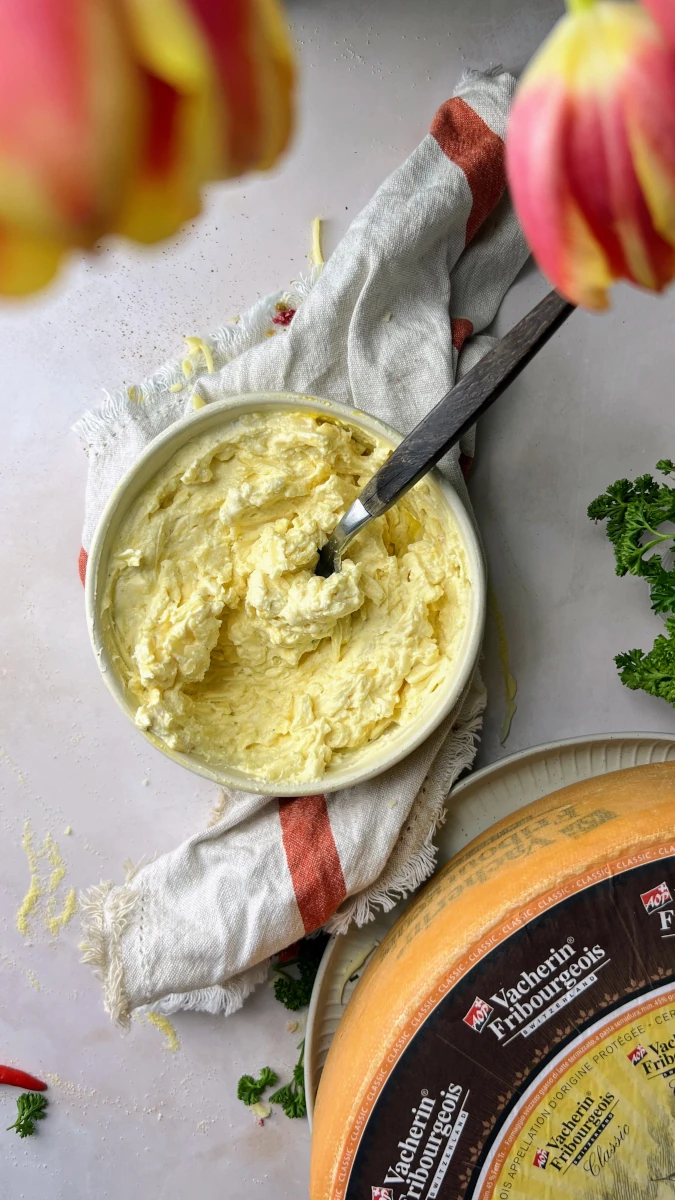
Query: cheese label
x=543, y=1064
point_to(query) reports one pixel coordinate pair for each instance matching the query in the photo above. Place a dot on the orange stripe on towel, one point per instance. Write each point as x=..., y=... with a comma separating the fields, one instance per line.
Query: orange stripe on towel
x=461, y=329
x=312, y=858
x=82, y=564
x=471, y=144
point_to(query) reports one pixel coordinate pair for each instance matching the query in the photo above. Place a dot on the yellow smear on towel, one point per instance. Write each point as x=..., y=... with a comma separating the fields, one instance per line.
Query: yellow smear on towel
x=164, y=1025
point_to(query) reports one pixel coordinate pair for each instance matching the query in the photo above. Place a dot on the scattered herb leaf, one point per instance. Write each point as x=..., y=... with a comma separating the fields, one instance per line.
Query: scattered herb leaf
x=30, y=1108
x=653, y=672
x=292, y=1097
x=296, y=969
x=294, y=990
x=634, y=513
x=249, y=1090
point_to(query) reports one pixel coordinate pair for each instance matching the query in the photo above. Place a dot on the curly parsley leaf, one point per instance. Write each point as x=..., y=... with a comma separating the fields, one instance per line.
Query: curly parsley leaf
x=249, y=1090
x=292, y=1096
x=653, y=672
x=634, y=512
x=294, y=989
x=296, y=970
x=661, y=585
x=30, y=1107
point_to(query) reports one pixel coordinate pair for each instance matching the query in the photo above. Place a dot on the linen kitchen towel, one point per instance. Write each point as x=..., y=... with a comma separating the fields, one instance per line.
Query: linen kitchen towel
x=388, y=325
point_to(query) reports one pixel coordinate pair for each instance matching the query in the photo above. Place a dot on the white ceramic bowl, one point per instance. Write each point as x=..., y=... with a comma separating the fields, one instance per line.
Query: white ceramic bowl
x=371, y=761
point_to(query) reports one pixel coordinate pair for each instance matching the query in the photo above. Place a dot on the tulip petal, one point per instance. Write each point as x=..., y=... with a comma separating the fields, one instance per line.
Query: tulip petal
x=273, y=61
x=219, y=80
x=164, y=190
x=605, y=185
x=663, y=12
x=650, y=122
x=559, y=235
x=27, y=262
x=115, y=113
x=67, y=96
x=591, y=153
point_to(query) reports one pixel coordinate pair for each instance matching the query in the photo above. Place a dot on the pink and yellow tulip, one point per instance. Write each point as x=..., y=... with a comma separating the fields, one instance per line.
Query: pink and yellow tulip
x=591, y=152
x=663, y=12
x=115, y=113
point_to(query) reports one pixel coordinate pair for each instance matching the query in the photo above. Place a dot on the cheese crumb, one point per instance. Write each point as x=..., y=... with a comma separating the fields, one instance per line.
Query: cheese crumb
x=316, y=254
x=40, y=887
x=164, y=1025
x=196, y=344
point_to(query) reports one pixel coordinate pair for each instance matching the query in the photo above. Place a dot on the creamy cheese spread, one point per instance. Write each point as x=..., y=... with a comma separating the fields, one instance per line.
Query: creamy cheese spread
x=232, y=649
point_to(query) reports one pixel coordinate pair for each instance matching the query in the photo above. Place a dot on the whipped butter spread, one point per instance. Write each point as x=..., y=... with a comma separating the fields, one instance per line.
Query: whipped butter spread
x=228, y=644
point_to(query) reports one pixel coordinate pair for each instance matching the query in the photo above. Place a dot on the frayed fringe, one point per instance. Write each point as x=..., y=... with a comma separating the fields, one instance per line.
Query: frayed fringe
x=223, y=999
x=398, y=881
x=470, y=75
x=105, y=918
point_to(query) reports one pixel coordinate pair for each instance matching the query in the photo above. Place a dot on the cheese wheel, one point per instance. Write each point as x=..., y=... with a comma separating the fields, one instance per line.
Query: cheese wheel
x=514, y=1034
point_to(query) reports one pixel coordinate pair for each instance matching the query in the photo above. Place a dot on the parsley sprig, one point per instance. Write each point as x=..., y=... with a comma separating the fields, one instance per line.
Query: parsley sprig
x=296, y=971
x=635, y=513
x=30, y=1108
x=292, y=1097
x=295, y=990
x=249, y=1090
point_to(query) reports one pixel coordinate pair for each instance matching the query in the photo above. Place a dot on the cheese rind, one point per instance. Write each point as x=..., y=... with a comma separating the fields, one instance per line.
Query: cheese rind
x=530, y=953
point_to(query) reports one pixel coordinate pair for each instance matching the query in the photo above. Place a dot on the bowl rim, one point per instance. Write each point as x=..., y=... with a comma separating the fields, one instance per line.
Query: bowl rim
x=150, y=461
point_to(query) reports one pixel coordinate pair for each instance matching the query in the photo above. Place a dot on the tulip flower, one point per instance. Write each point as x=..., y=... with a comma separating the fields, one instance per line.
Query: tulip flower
x=663, y=12
x=591, y=152
x=115, y=113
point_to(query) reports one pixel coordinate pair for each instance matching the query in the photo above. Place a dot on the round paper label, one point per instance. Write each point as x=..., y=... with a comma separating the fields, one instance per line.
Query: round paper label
x=543, y=1064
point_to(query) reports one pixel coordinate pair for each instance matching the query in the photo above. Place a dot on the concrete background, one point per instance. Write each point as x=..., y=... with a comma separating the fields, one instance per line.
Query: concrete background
x=130, y=1118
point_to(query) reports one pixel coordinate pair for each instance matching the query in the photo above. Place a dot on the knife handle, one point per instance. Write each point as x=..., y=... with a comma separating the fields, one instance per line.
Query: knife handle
x=461, y=407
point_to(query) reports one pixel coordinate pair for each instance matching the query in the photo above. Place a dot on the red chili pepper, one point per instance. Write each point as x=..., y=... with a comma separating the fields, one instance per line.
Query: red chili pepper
x=21, y=1080
x=284, y=317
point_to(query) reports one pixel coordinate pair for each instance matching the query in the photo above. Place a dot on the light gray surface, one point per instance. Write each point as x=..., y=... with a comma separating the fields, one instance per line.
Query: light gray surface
x=596, y=404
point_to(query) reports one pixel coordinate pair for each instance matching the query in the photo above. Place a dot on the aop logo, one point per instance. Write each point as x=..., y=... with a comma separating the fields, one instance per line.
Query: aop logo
x=382, y=1193
x=540, y=1158
x=656, y=897
x=478, y=1015
x=636, y=1055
